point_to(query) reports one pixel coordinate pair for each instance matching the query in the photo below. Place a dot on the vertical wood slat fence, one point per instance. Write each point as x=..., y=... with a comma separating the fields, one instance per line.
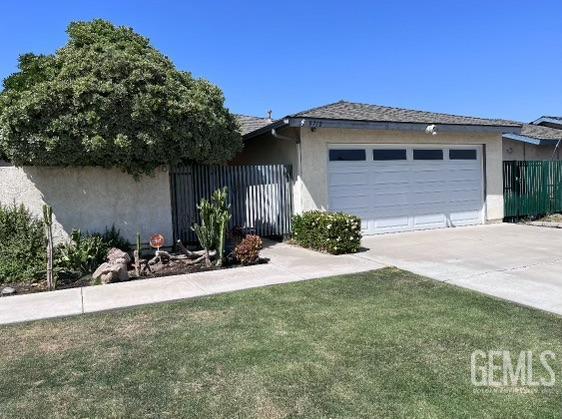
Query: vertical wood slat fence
x=532, y=188
x=260, y=197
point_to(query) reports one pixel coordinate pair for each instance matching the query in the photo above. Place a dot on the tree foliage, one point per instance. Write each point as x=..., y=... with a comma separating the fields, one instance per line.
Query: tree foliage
x=108, y=98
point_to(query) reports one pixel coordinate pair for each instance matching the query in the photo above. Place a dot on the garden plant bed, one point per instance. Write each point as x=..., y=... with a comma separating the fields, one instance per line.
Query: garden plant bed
x=384, y=343
x=93, y=258
x=178, y=268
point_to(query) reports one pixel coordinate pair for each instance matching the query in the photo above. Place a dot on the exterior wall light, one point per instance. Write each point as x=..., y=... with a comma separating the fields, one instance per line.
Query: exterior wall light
x=431, y=129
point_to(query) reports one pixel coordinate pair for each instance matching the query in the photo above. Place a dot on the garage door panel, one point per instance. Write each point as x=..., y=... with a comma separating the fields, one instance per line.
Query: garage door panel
x=402, y=195
x=388, y=179
x=467, y=205
x=422, y=176
x=348, y=179
x=464, y=175
x=391, y=224
x=423, y=221
x=464, y=218
x=463, y=198
x=338, y=192
x=429, y=197
x=388, y=195
x=388, y=212
x=462, y=183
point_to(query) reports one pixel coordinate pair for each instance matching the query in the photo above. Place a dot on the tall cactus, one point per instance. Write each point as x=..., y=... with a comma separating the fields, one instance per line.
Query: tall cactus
x=215, y=217
x=48, y=221
x=206, y=231
x=222, y=208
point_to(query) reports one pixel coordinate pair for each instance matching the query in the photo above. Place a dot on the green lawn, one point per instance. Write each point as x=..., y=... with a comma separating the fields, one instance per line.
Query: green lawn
x=378, y=344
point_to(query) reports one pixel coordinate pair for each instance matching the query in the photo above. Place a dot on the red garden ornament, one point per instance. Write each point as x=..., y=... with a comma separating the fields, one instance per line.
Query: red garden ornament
x=157, y=241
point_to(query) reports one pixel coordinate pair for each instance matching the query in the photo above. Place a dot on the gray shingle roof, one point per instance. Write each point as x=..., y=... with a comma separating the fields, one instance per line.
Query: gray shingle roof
x=343, y=110
x=251, y=123
x=541, y=133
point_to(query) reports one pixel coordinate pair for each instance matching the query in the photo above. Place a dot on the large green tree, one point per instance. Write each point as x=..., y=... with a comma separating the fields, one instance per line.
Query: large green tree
x=108, y=98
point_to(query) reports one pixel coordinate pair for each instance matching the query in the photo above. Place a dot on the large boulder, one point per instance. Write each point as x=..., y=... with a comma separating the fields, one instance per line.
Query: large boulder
x=118, y=256
x=115, y=269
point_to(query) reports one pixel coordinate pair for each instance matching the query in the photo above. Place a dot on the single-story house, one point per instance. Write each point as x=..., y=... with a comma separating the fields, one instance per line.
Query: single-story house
x=397, y=169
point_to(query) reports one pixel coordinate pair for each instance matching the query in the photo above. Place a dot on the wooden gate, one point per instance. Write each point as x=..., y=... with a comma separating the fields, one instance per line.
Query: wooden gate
x=532, y=188
x=260, y=197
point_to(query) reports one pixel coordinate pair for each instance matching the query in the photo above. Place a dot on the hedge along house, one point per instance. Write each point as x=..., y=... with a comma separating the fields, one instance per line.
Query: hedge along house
x=398, y=169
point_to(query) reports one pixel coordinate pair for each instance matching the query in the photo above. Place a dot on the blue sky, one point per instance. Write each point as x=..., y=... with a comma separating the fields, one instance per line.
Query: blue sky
x=483, y=58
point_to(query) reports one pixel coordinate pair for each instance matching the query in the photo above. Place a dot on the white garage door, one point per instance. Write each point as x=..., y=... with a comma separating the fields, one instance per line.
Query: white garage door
x=401, y=188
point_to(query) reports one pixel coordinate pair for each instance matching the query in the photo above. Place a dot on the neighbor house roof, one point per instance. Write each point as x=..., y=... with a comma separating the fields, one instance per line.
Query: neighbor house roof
x=251, y=123
x=536, y=134
x=344, y=114
x=549, y=121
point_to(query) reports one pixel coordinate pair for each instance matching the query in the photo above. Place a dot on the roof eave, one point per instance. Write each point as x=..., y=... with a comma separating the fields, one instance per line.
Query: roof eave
x=397, y=126
x=529, y=140
x=313, y=123
x=274, y=125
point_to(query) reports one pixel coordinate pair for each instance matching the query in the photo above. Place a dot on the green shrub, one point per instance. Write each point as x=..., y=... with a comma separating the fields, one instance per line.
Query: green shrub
x=22, y=245
x=334, y=233
x=248, y=250
x=113, y=238
x=81, y=255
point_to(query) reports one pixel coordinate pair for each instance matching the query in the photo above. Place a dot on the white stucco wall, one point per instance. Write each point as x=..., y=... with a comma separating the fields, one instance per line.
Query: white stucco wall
x=312, y=193
x=92, y=199
x=517, y=150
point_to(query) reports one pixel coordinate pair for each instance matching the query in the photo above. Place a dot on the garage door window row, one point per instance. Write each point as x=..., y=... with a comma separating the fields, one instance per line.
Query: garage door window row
x=388, y=154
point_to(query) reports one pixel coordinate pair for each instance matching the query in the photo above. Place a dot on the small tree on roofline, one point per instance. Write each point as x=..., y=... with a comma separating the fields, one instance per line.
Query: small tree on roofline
x=109, y=99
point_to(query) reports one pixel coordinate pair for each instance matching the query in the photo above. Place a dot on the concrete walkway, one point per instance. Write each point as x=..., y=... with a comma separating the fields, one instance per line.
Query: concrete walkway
x=288, y=264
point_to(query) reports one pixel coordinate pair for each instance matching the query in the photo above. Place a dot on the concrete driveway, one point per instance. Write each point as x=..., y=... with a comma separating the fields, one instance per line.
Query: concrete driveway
x=514, y=262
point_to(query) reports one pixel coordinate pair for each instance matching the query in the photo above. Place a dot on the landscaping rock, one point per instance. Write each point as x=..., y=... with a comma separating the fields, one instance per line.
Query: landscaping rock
x=115, y=269
x=108, y=272
x=7, y=291
x=118, y=256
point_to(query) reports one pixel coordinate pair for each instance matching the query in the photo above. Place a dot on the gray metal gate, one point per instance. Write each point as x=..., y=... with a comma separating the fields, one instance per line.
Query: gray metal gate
x=260, y=197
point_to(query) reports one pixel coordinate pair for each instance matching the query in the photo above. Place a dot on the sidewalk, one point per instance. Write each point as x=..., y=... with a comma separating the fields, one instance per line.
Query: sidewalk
x=287, y=264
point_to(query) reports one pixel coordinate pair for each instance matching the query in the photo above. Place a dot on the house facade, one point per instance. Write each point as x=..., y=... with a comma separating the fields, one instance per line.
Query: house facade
x=399, y=170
